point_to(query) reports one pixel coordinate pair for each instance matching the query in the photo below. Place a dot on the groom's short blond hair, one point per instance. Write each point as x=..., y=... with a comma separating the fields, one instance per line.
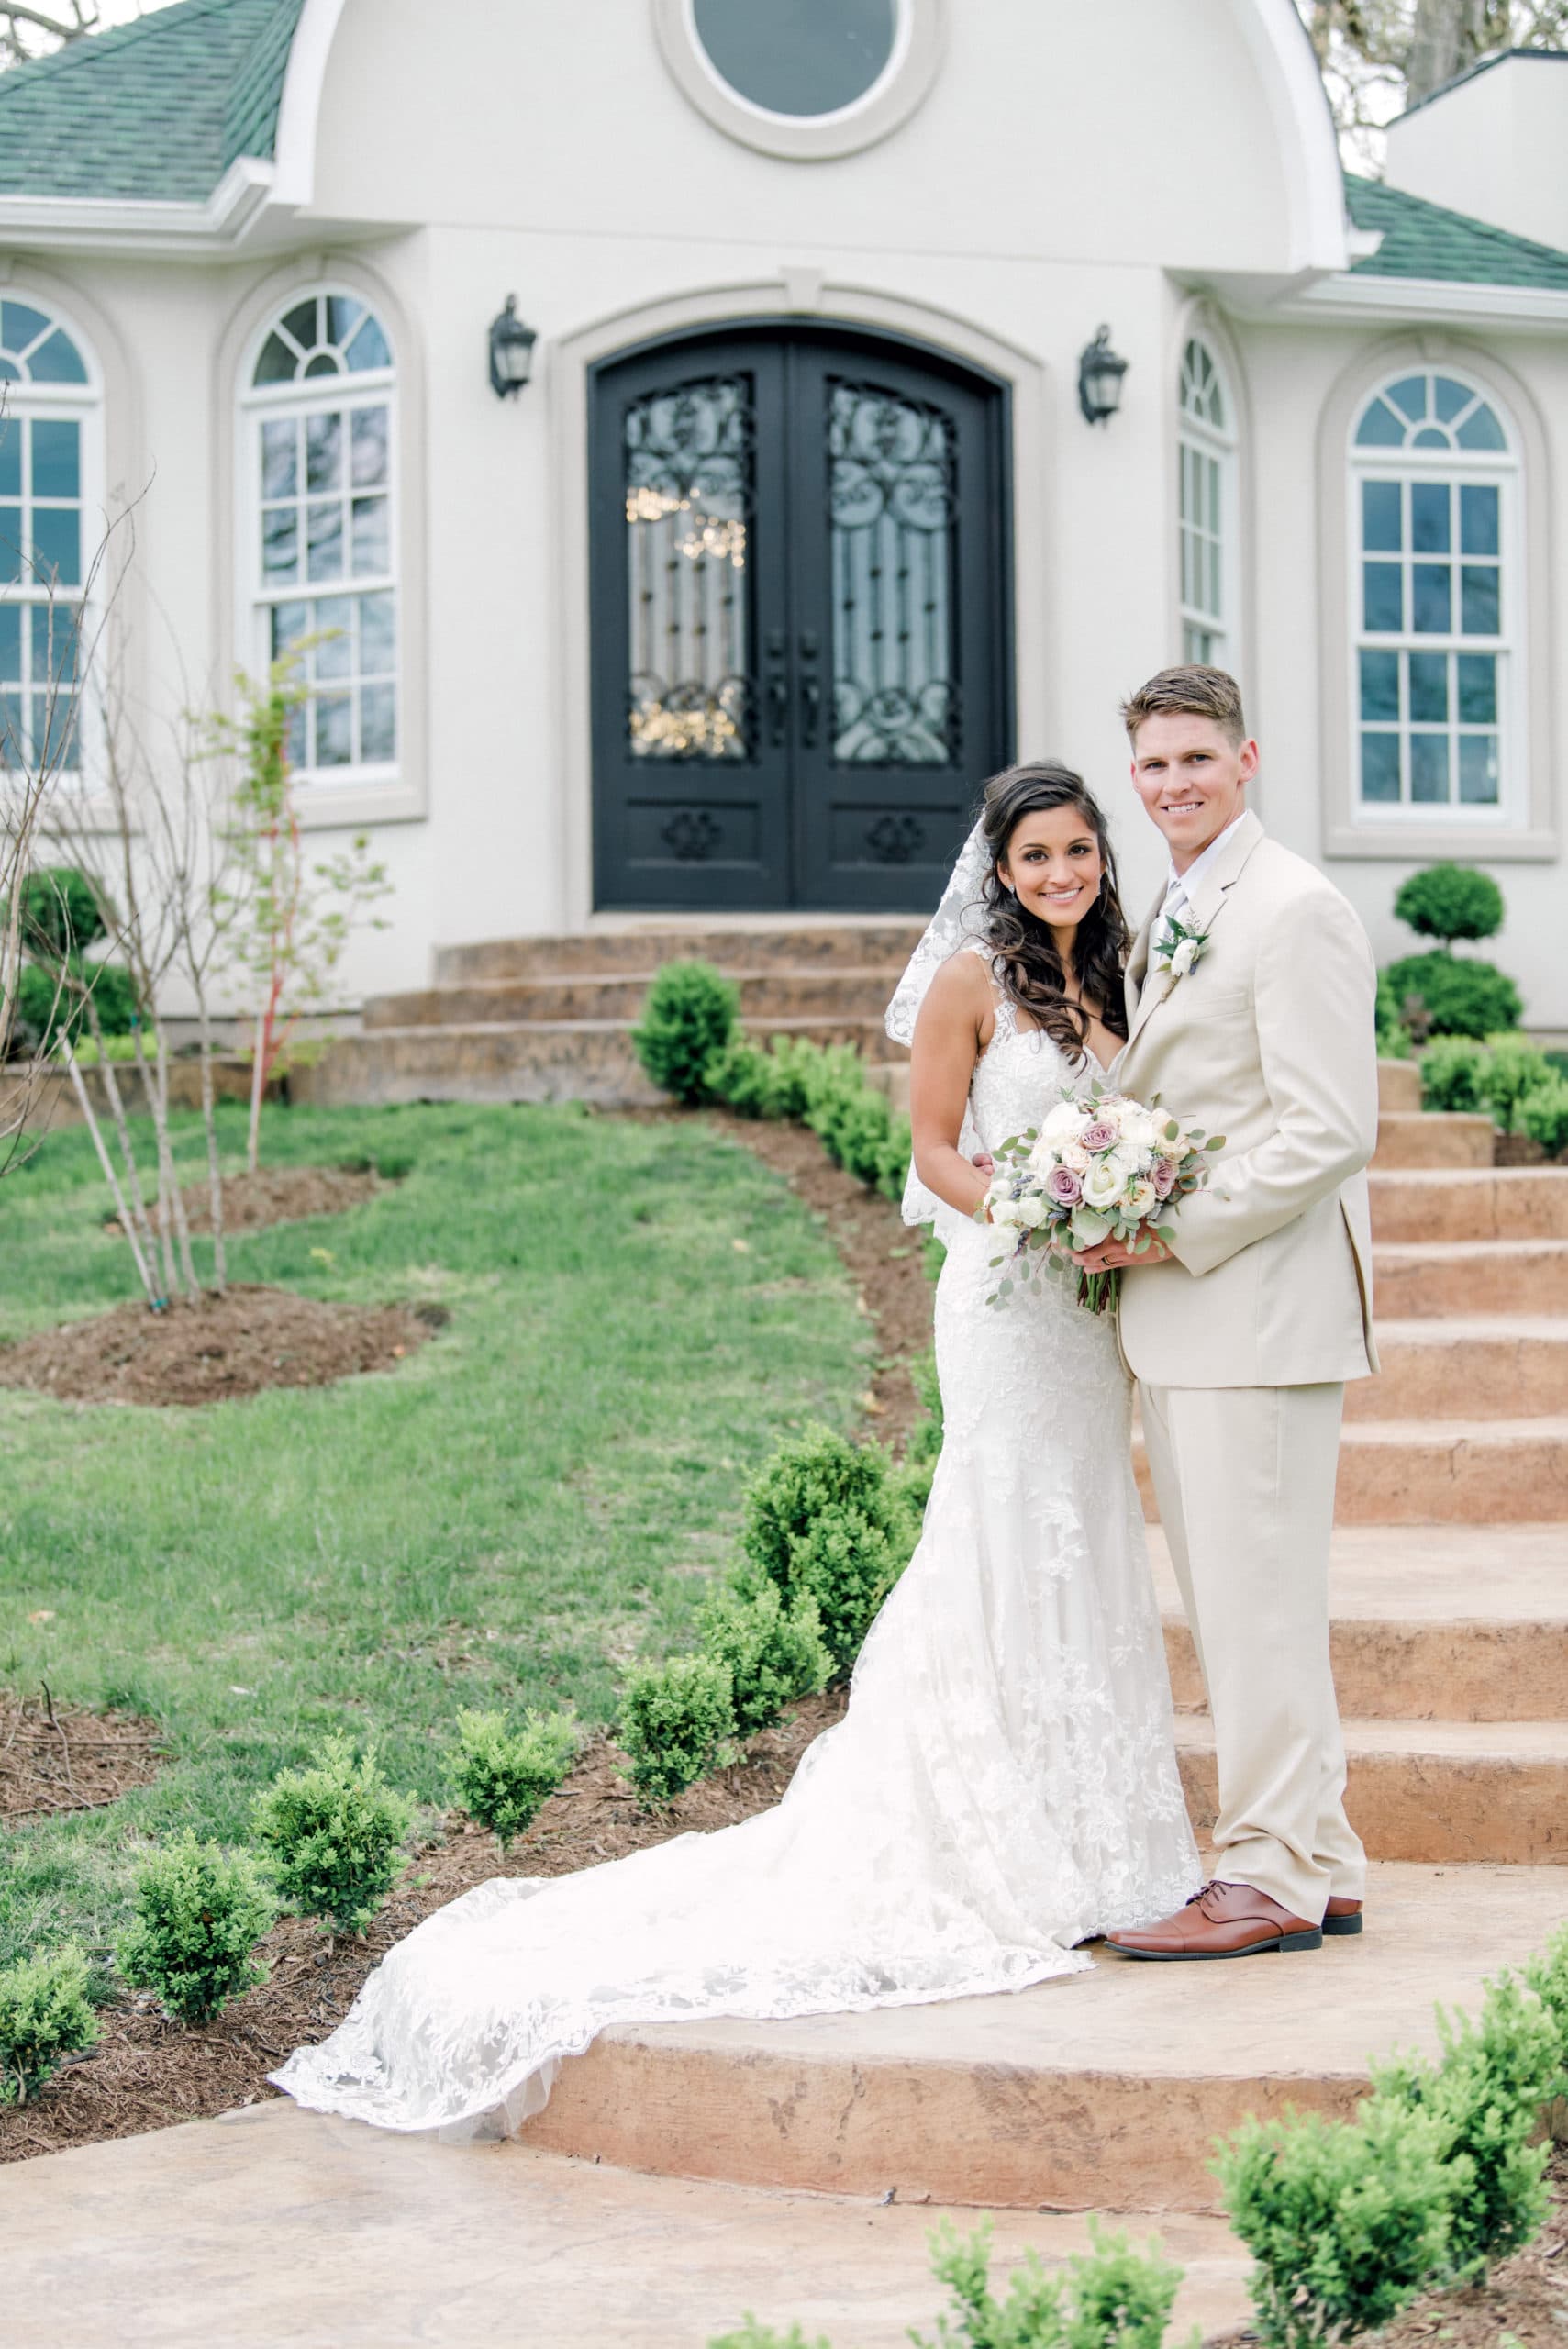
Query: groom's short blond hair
x=1190, y=692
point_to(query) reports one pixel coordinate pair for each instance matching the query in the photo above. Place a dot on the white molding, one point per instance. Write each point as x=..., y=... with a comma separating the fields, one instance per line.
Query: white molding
x=125, y=225
x=901, y=87
x=335, y=806
x=1441, y=300
x=299, y=110
x=1530, y=833
x=565, y=388
x=1201, y=319
x=1304, y=131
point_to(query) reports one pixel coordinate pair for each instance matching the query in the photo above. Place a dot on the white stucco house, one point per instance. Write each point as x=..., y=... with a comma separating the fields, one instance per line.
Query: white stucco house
x=801, y=526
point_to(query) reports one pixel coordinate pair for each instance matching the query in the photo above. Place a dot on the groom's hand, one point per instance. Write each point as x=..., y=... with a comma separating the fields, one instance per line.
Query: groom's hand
x=1115, y=1255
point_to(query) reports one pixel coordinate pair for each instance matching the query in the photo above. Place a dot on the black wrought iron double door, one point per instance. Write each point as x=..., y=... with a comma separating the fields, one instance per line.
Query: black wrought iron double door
x=800, y=621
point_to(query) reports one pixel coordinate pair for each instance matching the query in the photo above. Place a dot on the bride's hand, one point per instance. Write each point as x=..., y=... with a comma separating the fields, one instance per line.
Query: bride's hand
x=1115, y=1255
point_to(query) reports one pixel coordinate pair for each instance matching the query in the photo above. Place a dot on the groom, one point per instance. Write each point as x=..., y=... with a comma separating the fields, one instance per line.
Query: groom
x=1250, y=996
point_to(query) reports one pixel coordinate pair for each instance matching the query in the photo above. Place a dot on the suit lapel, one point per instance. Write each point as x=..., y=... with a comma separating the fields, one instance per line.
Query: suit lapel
x=1146, y=994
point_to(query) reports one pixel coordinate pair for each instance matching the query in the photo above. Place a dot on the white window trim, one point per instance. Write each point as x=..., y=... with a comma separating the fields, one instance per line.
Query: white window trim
x=1224, y=446
x=1526, y=830
x=901, y=86
x=82, y=404
x=1499, y=467
x=348, y=805
x=308, y=396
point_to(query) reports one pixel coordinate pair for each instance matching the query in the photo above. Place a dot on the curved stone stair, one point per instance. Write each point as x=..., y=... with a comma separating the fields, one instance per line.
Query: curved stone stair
x=550, y=1019
x=1449, y=1634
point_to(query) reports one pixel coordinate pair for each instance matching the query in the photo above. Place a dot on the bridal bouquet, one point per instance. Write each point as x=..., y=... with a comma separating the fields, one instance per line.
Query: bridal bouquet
x=1106, y=1168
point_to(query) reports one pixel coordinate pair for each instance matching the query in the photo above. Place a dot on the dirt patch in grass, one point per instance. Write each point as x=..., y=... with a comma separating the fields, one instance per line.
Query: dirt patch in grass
x=148, y=2073
x=56, y=1758
x=221, y=1347
x=883, y=1255
x=276, y=1195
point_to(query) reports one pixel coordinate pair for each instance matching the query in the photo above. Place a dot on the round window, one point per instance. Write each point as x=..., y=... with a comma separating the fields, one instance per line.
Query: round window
x=803, y=79
x=802, y=58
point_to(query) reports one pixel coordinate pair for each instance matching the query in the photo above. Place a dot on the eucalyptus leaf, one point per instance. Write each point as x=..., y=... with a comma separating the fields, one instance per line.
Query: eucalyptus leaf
x=1215, y=1141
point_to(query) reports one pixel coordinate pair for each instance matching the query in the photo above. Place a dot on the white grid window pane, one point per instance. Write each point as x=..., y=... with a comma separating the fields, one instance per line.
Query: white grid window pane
x=1207, y=509
x=1432, y=655
x=324, y=530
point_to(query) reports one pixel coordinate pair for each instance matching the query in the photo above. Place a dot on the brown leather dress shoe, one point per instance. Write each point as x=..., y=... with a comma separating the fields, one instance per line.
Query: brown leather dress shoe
x=1222, y=1921
x=1342, y=1916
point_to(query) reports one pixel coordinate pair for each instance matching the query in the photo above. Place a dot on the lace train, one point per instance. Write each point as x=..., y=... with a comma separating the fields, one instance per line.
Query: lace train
x=1003, y=1785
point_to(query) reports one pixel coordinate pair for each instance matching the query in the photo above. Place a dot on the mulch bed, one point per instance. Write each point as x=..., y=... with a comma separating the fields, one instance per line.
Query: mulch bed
x=275, y=1195
x=884, y=1257
x=241, y=1344
x=148, y=2073
x=1518, y=1150
x=56, y=1758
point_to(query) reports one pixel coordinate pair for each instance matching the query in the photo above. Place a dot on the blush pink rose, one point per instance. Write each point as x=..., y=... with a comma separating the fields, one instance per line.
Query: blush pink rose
x=1162, y=1174
x=1063, y=1186
x=1099, y=1136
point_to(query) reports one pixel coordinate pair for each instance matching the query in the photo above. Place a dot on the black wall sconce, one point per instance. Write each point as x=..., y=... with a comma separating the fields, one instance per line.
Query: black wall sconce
x=511, y=351
x=1100, y=379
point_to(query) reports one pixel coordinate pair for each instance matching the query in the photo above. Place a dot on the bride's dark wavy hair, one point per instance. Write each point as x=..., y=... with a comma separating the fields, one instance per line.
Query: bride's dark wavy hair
x=1025, y=957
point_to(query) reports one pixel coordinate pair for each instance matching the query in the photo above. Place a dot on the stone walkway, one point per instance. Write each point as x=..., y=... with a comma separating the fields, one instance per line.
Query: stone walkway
x=274, y=2226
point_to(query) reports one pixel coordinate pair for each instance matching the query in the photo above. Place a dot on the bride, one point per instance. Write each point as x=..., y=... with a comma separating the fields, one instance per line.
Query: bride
x=1004, y=1785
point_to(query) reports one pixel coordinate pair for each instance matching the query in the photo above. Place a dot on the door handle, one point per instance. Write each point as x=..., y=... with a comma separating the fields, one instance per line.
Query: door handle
x=810, y=711
x=777, y=690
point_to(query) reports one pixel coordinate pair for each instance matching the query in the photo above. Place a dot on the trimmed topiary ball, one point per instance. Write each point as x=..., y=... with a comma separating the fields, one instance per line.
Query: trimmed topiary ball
x=687, y=1020
x=1450, y=901
x=1461, y=997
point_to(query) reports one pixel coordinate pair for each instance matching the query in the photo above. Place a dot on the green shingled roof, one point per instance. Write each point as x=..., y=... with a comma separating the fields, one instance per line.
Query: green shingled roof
x=159, y=108
x=1422, y=239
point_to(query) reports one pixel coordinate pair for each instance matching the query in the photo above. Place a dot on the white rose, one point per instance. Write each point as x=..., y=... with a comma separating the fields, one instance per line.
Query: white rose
x=1128, y=1163
x=1073, y=1154
x=1142, y=1202
x=1137, y=1130
x=1062, y=1122
x=1184, y=958
x=1005, y=1213
x=1031, y=1211
x=1102, y=1184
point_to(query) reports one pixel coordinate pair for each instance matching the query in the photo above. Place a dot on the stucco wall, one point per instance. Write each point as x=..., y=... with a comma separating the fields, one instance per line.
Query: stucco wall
x=1493, y=145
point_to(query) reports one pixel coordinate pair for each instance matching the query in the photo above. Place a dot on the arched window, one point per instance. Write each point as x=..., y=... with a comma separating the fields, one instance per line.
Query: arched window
x=1433, y=534
x=49, y=417
x=1207, y=513
x=319, y=422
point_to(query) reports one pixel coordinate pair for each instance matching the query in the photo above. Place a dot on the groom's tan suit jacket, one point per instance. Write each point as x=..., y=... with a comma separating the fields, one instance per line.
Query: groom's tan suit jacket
x=1270, y=1042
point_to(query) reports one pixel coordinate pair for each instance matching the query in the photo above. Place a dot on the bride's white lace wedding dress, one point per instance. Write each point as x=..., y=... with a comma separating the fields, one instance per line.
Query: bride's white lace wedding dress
x=1003, y=1786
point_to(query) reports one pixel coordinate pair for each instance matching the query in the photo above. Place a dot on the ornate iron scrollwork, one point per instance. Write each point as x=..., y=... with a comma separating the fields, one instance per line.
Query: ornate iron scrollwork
x=892, y=499
x=692, y=835
x=690, y=484
x=895, y=839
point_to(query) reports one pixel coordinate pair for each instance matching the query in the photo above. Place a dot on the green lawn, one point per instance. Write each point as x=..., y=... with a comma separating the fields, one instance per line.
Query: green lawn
x=528, y=1500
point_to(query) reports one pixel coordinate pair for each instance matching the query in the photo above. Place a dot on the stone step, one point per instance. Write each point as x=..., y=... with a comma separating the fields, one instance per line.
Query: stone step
x=1493, y=1366
x=1431, y=1138
x=764, y=995
x=1440, y=1792
x=1466, y=1621
x=561, y=1060
x=1423, y=1280
x=639, y=948
x=1448, y=1472
x=1099, y=2090
x=282, y=2226
x=1491, y=1203
x=1399, y=1085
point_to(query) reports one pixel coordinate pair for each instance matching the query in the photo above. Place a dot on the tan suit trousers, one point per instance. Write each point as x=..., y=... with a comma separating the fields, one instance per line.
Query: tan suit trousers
x=1244, y=1476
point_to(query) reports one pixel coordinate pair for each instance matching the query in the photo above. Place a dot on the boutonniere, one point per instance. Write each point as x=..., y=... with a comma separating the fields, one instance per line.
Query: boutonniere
x=1180, y=950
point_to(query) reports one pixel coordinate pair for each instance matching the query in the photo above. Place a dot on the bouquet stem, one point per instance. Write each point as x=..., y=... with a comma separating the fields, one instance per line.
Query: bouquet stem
x=1098, y=1291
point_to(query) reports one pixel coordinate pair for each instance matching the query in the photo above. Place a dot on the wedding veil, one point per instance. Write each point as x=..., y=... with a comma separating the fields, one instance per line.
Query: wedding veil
x=959, y=917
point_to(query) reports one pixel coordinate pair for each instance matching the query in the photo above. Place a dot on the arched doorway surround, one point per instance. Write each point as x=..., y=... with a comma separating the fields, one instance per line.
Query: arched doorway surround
x=800, y=617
